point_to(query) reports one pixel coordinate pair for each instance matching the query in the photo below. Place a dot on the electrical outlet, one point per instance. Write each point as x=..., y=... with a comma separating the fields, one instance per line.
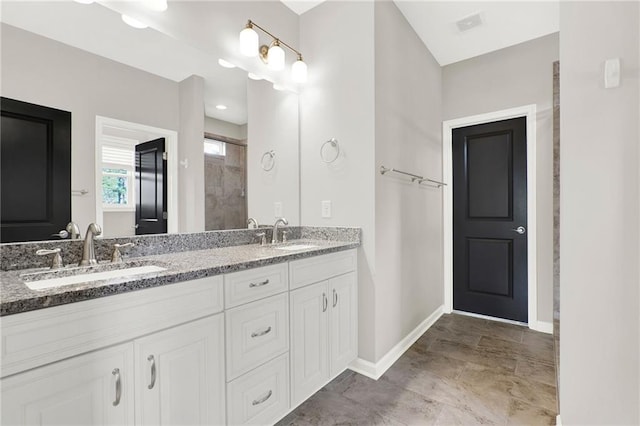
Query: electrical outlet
x=277, y=209
x=326, y=209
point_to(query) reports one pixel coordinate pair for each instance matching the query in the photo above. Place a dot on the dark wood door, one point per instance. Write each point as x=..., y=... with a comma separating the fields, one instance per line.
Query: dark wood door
x=35, y=171
x=151, y=188
x=490, y=219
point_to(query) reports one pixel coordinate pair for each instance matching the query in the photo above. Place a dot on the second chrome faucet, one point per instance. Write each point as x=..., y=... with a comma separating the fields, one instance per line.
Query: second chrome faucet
x=274, y=237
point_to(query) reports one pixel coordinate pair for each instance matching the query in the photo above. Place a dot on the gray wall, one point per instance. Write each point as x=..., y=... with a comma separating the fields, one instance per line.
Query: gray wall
x=42, y=71
x=408, y=217
x=507, y=78
x=599, y=223
x=224, y=128
x=337, y=39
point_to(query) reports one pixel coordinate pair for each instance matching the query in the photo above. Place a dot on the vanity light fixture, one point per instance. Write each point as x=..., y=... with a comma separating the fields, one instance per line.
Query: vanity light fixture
x=133, y=22
x=273, y=54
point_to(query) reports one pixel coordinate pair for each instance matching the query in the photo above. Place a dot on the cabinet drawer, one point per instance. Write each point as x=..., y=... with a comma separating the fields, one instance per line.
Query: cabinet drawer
x=253, y=284
x=256, y=332
x=260, y=397
x=39, y=337
x=315, y=269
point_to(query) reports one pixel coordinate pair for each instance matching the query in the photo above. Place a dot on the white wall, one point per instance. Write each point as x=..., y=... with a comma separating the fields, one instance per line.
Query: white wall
x=338, y=101
x=272, y=125
x=191, y=149
x=599, y=204
x=118, y=224
x=225, y=128
x=42, y=71
x=408, y=217
x=507, y=78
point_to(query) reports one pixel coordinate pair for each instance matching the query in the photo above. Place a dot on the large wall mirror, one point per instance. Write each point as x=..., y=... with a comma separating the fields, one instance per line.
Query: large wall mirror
x=126, y=87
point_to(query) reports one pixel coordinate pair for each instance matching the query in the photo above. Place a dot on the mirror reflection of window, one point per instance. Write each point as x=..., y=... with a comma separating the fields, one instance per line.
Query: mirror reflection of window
x=214, y=147
x=118, y=167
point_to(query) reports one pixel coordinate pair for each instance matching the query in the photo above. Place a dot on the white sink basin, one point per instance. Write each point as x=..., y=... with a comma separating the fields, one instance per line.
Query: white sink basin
x=294, y=247
x=92, y=276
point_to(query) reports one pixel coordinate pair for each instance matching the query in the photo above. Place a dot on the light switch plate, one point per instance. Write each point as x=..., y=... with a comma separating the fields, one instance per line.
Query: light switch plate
x=326, y=209
x=277, y=209
x=612, y=73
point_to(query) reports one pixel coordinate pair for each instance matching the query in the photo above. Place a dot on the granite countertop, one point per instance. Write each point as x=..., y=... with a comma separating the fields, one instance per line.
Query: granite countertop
x=16, y=297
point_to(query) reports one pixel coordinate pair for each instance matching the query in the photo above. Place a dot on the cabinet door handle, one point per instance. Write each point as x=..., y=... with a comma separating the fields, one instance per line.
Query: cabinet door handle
x=263, y=399
x=153, y=371
x=335, y=297
x=260, y=284
x=261, y=332
x=116, y=373
x=325, y=302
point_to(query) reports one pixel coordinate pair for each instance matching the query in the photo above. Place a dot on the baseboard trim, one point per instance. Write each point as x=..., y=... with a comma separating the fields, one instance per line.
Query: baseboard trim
x=542, y=326
x=558, y=421
x=376, y=370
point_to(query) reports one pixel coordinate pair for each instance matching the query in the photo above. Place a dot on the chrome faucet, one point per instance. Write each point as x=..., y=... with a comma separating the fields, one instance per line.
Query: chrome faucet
x=252, y=223
x=274, y=238
x=88, y=251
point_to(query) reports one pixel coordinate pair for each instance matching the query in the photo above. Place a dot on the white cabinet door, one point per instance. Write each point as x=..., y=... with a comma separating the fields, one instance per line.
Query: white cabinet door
x=180, y=375
x=91, y=389
x=343, y=321
x=309, y=340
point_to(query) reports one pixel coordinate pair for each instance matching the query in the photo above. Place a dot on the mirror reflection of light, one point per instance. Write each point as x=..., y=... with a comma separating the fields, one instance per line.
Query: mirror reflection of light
x=225, y=64
x=133, y=22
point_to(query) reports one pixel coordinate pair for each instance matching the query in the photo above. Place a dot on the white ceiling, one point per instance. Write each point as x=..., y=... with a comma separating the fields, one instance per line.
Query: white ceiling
x=505, y=23
x=190, y=37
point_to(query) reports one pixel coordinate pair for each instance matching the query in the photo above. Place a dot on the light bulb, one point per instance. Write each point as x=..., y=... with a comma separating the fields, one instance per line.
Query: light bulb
x=133, y=22
x=299, y=71
x=249, y=42
x=276, y=57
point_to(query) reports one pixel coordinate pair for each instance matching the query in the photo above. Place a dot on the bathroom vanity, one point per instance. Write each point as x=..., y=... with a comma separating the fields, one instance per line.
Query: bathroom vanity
x=230, y=335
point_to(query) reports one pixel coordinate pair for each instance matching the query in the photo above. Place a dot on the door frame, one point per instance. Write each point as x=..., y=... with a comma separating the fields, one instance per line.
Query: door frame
x=171, y=147
x=529, y=112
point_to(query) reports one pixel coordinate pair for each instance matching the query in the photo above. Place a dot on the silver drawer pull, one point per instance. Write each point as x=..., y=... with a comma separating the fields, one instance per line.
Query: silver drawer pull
x=153, y=371
x=324, y=302
x=335, y=297
x=116, y=373
x=260, y=284
x=261, y=333
x=263, y=399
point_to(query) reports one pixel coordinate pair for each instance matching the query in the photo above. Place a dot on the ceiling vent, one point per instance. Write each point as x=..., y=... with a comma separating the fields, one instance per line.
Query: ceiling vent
x=471, y=21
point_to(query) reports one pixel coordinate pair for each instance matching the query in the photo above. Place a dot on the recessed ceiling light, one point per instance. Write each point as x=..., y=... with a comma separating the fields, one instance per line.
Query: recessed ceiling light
x=156, y=5
x=221, y=107
x=84, y=1
x=133, y=22
x=253, y=76
x=225, y=64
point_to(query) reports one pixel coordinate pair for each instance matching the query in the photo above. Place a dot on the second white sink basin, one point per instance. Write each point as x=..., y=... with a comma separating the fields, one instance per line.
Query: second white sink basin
x=294, y=247
x=92, y=276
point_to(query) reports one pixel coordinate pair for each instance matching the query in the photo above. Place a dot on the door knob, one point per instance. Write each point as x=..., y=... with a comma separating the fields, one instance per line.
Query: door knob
x=520, y=230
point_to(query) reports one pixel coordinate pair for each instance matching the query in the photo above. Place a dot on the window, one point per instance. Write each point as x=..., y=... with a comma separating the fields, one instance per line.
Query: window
x=214, y=147
x=118, y=167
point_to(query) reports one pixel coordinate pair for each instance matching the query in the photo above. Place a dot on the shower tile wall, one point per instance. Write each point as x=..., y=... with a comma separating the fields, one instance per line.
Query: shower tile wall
x=225, y=189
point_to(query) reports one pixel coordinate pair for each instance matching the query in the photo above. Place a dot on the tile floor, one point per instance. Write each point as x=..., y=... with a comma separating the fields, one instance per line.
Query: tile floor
x=462, y=371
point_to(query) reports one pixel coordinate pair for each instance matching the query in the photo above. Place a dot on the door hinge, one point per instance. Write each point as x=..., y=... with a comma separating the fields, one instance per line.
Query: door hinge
x=165, y=215
x=164, y=155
